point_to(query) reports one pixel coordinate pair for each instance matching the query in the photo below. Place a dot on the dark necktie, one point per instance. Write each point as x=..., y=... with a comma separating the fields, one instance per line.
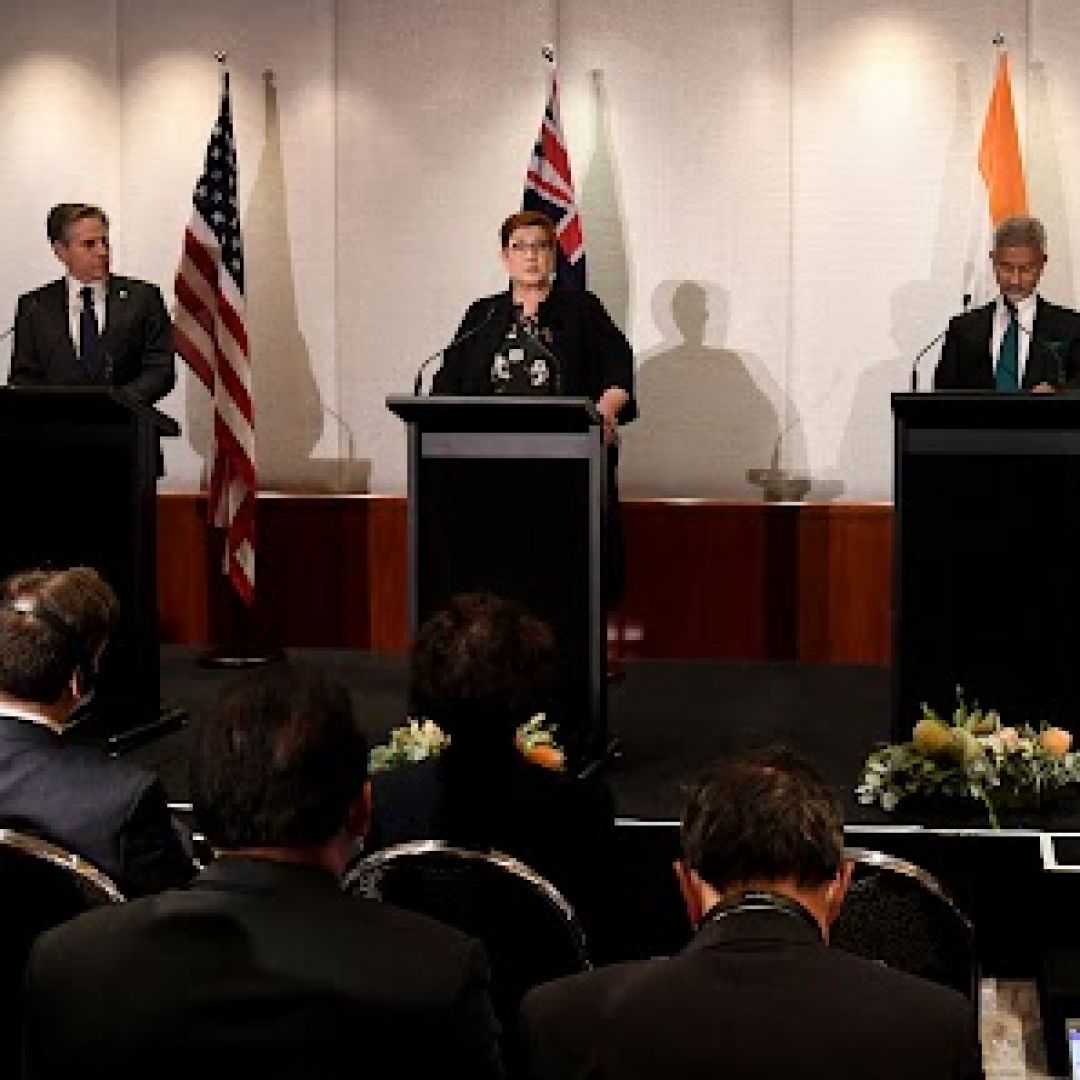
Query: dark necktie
x=1007, y=374
x=89, y=338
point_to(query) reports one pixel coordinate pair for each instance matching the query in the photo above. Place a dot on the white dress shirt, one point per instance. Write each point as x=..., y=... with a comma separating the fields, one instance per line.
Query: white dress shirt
x=1025, y=316
x=75, y=305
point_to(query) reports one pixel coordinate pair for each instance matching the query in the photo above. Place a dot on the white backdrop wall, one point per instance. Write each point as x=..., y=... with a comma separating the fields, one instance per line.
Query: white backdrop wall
x=778, y=198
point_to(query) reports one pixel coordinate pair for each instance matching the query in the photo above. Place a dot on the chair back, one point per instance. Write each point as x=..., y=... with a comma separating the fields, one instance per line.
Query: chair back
x=43, y=886
x=528, y=927
x=898, y=913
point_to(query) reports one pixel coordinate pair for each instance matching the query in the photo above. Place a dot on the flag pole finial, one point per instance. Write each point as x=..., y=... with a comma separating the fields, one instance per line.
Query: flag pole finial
x=547, y=51
x=221, y=56
x=999, y=40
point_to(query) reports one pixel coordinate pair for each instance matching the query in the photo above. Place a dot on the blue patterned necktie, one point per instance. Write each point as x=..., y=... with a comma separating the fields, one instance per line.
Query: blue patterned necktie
x=1007, y=373
x=89, y=337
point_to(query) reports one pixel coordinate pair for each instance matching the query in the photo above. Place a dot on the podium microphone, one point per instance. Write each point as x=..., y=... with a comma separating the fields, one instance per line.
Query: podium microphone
x=464, y=336
x=540, y=347
x=928, y=346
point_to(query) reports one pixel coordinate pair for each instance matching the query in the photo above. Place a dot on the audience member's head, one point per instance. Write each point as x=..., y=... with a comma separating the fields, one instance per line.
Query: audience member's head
x=763, y=822
x=480, y=667
x=54, y=625
x=279, y=766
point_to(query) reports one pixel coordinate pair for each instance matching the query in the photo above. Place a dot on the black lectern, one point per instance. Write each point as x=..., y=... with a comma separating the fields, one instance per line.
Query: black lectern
x=80, y=475
x=987, y=555
x=509, y=495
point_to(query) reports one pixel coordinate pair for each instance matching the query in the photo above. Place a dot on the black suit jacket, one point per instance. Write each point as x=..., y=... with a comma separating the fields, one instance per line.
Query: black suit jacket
x=561, y=827
x=262, y=970
x=110, y=812
x=592, y=352
x=1053, y=352
x=754, y=996
x=136, y=338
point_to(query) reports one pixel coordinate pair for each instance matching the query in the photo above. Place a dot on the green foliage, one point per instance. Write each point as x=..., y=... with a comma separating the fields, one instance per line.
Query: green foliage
x=973, y=756
x=421, y=738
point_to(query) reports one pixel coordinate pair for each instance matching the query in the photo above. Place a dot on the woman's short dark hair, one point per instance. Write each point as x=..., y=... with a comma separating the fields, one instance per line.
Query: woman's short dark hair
x=277, y=761
x=763, y=817
x=526, y=219
x=52, y=623
x=481, y=661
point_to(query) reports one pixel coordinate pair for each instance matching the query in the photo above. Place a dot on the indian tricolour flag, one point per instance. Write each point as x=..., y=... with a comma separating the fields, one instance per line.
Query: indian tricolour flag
x=1001, y=188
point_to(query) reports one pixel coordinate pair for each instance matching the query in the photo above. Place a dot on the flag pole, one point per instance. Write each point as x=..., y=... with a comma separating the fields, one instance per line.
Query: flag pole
x=210, y=303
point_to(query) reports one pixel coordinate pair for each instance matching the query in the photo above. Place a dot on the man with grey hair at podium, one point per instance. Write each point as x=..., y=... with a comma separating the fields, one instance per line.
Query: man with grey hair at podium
x=92, y=327
x=1018, y=341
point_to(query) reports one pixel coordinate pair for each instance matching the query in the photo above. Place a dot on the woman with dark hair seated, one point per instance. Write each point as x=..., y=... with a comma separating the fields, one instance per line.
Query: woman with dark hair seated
x=479, y=670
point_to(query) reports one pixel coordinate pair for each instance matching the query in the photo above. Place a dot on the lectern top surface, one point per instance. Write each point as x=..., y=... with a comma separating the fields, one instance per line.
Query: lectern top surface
x=495, y=413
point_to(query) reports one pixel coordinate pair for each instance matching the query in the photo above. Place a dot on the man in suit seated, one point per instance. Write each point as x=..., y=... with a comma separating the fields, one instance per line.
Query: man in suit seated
x=54, y=627
x=1018, y=341
x=480, y=668
x=92, y=327
x=263, y=967
x=757, y=993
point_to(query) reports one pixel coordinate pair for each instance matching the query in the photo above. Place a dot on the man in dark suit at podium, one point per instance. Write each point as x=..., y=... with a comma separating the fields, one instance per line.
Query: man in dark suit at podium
x=1018, y=341
x=90, y=326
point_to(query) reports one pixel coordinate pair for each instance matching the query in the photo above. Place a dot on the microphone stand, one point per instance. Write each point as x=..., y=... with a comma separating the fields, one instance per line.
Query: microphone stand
x=919, y=355
x=463, y=336
x=541, y=348
x=926, y=348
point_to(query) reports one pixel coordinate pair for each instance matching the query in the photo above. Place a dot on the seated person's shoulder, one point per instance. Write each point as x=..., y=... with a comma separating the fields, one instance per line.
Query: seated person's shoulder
x=418, y=947
x=590, y=795
x=109, y=774
x=867, y=979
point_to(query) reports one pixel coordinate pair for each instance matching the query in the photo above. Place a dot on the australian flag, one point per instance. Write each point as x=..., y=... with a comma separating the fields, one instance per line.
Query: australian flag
x=550, y=189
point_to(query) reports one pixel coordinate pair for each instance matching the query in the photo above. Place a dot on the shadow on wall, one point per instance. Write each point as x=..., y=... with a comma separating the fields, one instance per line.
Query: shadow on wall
x=919, y=310
x=601, y=211
x=865, y=457
x=1046, y=188
x=709, y=415
x=289, y=415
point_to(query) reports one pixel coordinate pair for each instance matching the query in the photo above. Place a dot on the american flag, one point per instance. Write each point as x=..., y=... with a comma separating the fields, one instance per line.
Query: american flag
x=550, y=189
x=212, y=338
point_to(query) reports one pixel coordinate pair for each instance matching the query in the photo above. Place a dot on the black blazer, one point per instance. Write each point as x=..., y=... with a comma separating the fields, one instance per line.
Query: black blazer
x=136, y=338
x=593, y=354
x=560, y=826
x=754, y=996
x=110, y=812
x=1053, y=352
x=259, y=969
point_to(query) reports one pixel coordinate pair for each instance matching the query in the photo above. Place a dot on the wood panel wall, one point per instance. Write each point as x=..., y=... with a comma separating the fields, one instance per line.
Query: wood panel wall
x=752, y=581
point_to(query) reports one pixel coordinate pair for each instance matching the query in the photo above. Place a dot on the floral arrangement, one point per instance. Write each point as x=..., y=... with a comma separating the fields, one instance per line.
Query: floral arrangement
x=421, y=738
x=971, y=756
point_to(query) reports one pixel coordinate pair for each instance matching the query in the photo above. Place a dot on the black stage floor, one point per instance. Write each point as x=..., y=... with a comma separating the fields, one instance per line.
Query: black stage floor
x=673, y=717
